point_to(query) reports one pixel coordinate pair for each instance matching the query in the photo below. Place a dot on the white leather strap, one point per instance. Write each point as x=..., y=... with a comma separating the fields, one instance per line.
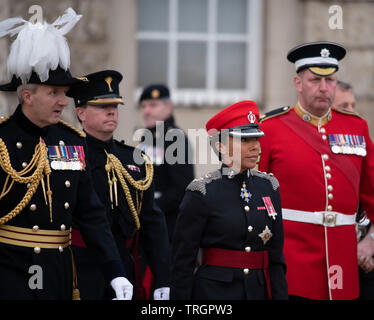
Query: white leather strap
x=324, y=218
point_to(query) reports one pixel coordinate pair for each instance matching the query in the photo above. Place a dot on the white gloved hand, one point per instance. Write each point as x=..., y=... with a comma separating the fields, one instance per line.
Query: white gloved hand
x=123, y=288
x=162, y=293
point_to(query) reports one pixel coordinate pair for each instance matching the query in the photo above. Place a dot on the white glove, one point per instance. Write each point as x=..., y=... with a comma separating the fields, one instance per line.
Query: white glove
x=123, y=288
x=162, y=293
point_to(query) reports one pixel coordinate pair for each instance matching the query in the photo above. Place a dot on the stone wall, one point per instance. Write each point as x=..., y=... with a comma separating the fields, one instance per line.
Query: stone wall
x=357, y=67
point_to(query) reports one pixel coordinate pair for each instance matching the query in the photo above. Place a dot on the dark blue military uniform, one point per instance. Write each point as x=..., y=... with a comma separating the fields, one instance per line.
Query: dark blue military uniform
x=153, y=231
x=171, y=179
x=73, y=200
x=215, y=214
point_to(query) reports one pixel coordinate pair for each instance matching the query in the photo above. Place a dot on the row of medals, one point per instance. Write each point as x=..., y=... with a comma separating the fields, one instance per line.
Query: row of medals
x=71, y=164
x=349, y=149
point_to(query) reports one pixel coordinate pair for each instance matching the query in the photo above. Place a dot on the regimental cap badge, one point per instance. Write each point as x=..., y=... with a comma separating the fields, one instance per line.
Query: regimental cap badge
x=155, y=94
x=109, y=80
x=325, y=53
x=251, y=117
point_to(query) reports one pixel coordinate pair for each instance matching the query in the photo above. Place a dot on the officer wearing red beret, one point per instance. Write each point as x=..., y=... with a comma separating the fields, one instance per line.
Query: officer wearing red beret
x=324, y=161
x=234, y=215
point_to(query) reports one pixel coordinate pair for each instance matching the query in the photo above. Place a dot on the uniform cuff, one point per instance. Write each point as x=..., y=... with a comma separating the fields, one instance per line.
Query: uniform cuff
x=113, y=269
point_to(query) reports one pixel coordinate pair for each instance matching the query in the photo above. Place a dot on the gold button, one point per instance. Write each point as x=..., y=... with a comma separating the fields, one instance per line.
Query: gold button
x=24, y=164
x=328, y=168
x=63, y=227
x=250, y=229
x=28, y=185
x=324, y=137
x=330, y=196
x=37, y=250
x=246, y=271
x=323, y=130
x=325, y=157
x=328, y=175
x=247, y=249
x=246, y=208
x=33, y=207
x=66, y=205
x=19, y=145
x=67, y=184
x=35, y=228
x=60, y=248
x=330, y=188
x=329, y=208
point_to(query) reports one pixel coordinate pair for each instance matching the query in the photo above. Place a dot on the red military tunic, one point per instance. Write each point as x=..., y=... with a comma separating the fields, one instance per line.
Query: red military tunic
x=314, y=179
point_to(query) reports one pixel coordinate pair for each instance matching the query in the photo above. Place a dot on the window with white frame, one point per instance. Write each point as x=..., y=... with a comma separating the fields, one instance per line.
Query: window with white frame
x=207, y=51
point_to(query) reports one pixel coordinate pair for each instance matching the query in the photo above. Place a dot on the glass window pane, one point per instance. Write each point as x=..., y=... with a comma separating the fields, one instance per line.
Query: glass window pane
x=191, y=64
x=152, y=62
x=231, y=65
x=232, y=16
x=193, y=15
x=153, y=15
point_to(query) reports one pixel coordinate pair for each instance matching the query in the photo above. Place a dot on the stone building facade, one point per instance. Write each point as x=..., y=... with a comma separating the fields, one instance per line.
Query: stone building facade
x=106, y=37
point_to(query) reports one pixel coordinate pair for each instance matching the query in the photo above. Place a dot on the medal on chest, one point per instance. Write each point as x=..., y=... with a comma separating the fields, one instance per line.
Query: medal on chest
x=63, y=157
x=347, y=144
x=245, y=195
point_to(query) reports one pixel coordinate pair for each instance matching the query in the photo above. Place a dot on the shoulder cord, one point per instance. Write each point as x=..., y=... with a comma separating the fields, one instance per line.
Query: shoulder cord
x=115, y=167
x=40, y=162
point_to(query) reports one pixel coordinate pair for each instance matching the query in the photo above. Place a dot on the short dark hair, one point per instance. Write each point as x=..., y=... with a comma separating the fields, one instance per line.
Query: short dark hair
x=345, y=86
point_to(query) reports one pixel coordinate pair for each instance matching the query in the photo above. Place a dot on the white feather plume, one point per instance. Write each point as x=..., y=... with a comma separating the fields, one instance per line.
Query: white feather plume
x=38, y=47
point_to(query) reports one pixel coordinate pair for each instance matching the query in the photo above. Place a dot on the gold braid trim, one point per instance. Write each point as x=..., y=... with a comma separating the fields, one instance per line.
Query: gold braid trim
x=115, y=167
x=40, y=161
x=66, y=124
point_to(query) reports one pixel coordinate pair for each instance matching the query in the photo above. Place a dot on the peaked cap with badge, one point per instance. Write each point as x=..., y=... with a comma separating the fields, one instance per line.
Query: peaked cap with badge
x=239, y=119
x=321, y=57
x=154, y=92
x=46, y=187
x=101, y=88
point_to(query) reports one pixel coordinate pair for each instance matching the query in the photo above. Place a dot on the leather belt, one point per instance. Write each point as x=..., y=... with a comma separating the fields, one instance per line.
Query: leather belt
x=25, y=237
x=324, y=218
x=238, y=259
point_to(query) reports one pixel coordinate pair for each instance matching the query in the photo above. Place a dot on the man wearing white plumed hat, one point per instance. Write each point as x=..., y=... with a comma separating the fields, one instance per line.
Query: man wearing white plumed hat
x=46, y=185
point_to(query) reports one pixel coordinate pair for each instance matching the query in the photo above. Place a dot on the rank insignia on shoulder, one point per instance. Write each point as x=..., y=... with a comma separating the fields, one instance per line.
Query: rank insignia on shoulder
x=63, y=157
x=269, y=207
x=269, y=176
x=274, y=113
x=133, y=167
x=199, y=184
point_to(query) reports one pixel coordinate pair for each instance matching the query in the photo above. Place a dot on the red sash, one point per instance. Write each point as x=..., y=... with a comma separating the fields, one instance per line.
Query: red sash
x=311, y=136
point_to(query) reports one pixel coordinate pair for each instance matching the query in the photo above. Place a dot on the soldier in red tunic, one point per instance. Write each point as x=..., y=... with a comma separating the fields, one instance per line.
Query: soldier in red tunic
x=325, y=170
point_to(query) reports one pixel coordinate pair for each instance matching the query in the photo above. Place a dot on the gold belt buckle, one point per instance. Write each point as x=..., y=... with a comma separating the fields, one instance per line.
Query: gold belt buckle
x=329, y=219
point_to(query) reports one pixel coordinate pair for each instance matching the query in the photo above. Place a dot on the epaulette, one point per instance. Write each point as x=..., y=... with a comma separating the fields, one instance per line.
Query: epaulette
x=274, y=113
x=4, y=119
x=348, y=112
x=269, y=176
x=199, y=184
x=66, y=124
